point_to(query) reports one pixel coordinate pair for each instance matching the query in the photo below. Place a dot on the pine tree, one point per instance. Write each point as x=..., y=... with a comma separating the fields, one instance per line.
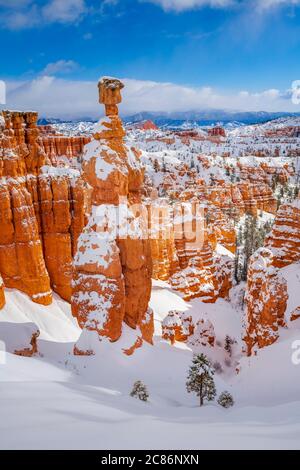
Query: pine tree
x=200, y=379
x=225, y=400
x=156, y=166
x=228, y=344
x=139, y=391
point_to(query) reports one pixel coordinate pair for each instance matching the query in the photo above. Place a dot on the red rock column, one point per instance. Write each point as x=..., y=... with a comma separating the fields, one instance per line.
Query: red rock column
x=112, y=266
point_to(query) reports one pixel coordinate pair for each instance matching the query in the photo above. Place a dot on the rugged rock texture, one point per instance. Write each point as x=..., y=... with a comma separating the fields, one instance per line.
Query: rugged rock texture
x=266, y=300
x=42, y=212
x=56, y=146
x=2, y=296
x=112, y=278
x=63, y=204
x=204, y=334
x=144, y=125
x=20, y=338
x=177, y=326
x=266, y=296
x=217, y=131
x=186, y=261
x=21, y=256
x=284, y=239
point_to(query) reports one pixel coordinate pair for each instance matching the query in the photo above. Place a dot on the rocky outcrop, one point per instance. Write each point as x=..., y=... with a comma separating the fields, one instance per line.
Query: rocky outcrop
x=21, y=255
x=266, y=301
x=56, y=146
x=204, y=335
x=19, y=338
x=267, y=295
x=284, y=239
x=112, y=266
x=182, y=249
x=63, y=205
x=42, y=212
x=177, y=326
x=217, y=131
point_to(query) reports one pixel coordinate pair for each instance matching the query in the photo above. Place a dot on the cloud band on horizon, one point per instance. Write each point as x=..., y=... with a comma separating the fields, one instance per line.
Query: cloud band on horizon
x=68, y=99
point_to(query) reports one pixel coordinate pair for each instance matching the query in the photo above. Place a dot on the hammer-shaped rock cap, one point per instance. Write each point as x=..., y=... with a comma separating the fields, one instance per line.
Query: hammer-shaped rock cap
x=109, y=90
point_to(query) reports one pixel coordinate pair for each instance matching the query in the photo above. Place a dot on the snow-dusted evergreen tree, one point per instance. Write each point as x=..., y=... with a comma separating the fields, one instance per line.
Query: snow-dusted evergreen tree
x=225, y=400
x=200, y=379
x=249, y=239
x=139, y=391
x=228, y=344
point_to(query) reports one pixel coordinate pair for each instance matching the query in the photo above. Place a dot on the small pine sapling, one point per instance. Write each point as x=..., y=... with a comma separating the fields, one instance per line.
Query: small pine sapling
x=139, y=391
x=225, y=400
x=200, y=379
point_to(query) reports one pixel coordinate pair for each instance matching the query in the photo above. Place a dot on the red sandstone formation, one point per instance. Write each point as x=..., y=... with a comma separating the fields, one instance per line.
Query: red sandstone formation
x=284, y=239
x=267, y=296
x=204, y=334
x=177, y=326
x=295, y=315
x=21, y=257
x=112, y=277
x=20, y=338
x=42, y=212
x=56, y=146
x=217, y=131
x=266, y=289
x=187, y=261
x=266, y=300
x=145, y=125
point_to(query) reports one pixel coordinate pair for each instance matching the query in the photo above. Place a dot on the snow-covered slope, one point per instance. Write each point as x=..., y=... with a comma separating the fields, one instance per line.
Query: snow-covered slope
x=57, y=400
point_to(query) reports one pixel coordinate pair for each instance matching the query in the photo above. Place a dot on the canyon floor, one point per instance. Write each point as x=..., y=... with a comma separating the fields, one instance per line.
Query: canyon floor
x=56, y=400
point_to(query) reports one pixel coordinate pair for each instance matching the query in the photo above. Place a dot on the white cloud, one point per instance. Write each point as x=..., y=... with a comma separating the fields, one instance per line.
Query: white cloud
x=265, y=4
x=180, y=5
x=57, y=97
x=63, y=11
x=21, y=14
x=61, y=66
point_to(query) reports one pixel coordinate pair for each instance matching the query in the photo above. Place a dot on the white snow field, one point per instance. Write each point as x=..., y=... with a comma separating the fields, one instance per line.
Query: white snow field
x=55, y=400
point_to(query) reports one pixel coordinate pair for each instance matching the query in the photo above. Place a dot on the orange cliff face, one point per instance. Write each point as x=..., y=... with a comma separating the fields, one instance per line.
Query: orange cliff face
x=21, y=255
x=56, y=146
x=112, y=266
x=38, y=234
x=267, y=292
x=284, y=239
x=188, y=261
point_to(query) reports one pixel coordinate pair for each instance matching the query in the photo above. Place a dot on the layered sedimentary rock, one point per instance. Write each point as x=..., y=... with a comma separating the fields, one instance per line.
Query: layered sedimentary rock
x=182, y=250
x=63, y=204
x=266, y=300
x=19, y=338
x=177, y=326
x=217, y=131
x=56, y=146
x=112, y=276
x=203, y=335
x=266, y=297
x=284, y=239
x=42, y=212
x=21, y=256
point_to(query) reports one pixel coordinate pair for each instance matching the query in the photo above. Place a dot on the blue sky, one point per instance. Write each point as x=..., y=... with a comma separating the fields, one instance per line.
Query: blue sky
x=219, y=53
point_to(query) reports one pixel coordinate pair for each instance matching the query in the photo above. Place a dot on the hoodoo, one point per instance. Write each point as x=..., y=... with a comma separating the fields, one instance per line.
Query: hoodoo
x=112, y=266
